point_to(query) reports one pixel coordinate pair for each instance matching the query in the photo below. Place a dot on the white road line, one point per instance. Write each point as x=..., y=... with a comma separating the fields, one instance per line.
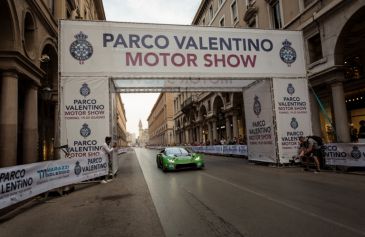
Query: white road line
x=262, y=195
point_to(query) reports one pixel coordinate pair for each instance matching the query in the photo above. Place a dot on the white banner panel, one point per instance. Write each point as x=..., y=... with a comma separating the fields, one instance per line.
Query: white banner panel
x=84, y=115
x=259, y=122
x=131, y=50
x=293, y=117
x=18, y=183
x=346, y=154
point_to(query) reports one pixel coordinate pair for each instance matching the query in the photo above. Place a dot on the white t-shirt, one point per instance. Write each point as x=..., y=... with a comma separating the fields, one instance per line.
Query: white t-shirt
x=107, y=149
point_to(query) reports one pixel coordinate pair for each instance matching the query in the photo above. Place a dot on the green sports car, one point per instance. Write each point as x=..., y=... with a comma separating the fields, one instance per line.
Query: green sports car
x=175, y=158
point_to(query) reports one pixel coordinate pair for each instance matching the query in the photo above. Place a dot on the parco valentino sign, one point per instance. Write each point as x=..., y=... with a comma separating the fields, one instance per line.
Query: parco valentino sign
x=133, y=50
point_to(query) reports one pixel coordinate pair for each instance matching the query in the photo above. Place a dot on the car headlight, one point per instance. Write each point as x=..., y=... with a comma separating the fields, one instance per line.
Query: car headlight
x=197, y=158
x=171, y=161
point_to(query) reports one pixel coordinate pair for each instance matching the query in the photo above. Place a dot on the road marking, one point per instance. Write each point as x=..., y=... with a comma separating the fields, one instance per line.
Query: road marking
x=262, y=195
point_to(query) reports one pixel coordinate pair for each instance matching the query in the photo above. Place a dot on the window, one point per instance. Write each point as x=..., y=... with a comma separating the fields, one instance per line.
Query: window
x=211, y=12
x=306, y=3
x=315, y=48
x=234, y=11
x=221, y=22
x=276, y=15
x=249, y=3
x=203, y=22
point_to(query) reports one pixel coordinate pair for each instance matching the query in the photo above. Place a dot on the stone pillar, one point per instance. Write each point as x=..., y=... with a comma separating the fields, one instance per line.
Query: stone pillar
x=8, y=119
x=210, y=133
x=315, y=112
x=228, y=129
x=214, y=129
x=198, y=135
x=30, y=130
x=339, y=107
x=235, y=127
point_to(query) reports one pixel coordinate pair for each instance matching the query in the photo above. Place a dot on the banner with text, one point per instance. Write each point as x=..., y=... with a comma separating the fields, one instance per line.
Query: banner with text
x=134, y=50
x=345, y=154
x=292, y=115
x=259, y=122
x=21, y=182
x=84, y=116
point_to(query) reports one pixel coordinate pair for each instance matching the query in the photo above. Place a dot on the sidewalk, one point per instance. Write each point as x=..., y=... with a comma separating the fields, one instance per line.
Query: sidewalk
x=122, y=207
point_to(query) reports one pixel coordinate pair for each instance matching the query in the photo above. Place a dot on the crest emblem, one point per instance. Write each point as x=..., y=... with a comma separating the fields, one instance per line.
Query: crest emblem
x=287, y=53
x=257, y=106
x=85, y=131
x=294, y=123
x=77, y=169
x=81, y=49
x=85, y=90
x=290, y=89
x=355, y=153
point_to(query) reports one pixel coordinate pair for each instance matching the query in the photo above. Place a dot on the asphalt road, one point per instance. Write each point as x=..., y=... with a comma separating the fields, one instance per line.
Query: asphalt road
x=230, y=197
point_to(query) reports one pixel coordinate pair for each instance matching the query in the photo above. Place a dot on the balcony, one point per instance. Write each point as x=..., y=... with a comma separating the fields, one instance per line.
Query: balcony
x=188, y=104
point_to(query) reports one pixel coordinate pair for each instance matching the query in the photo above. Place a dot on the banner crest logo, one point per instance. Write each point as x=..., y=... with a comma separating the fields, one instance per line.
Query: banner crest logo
x=81, y=49
x=290, y=89
x=294, y=123
x=85, y=90
x=257, y=106
x=77, y=169
x=355, y=153
x=85, y=131
x=287, y=53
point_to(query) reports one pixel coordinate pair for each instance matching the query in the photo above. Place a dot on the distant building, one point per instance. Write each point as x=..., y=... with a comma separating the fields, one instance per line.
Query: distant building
x=143, y=135
x=160, y=121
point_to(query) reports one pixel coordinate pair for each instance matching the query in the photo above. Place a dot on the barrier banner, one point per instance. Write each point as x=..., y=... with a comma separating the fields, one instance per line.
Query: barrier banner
x=18, y=183
x=222, y=149
x=259, y=122
x=345, y=154
x=292, y=115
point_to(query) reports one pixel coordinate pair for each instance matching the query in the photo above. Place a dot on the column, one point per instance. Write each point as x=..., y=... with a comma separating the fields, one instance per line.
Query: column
x=339, y=107
x=30, y=130
x=315, y=112
x=228, y=129
x=210, y=133
x=198, y=134
x=214, y=128
x=235, y=127
x=8, y=119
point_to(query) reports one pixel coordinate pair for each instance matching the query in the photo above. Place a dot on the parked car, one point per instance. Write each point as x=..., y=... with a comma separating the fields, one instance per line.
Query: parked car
x=176, y=158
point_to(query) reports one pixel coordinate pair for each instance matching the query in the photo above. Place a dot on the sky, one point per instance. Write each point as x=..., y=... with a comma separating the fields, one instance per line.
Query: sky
x=138, y=106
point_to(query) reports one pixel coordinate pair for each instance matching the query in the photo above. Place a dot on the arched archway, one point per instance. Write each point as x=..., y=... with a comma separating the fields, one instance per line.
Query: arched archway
x=7, y=39
x=350, y=52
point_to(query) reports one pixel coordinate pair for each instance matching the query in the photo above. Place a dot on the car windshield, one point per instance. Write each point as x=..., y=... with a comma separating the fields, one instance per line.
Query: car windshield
x=177, y=151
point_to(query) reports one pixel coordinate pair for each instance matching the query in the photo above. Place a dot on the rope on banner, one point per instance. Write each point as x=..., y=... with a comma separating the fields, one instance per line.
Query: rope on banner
x=322, y=108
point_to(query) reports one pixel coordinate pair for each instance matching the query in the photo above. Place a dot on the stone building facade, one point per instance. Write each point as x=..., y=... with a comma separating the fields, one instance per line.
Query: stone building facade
x=160, y=121
x=121, y=135
x=29, y=75
x=333, y=32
